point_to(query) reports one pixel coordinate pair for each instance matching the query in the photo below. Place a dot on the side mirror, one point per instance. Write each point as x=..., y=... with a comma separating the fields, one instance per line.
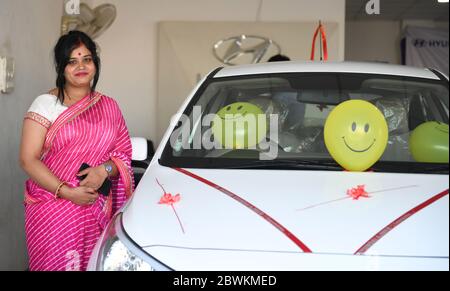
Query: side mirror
x=142, y=154
x=139, y=148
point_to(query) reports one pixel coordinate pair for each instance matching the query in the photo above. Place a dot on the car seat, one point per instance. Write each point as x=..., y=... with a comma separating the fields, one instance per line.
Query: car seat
x=395, y=110
x=417, y=112
x=293, y=111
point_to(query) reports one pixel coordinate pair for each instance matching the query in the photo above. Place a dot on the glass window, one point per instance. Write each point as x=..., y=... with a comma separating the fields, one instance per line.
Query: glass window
x=295, y=107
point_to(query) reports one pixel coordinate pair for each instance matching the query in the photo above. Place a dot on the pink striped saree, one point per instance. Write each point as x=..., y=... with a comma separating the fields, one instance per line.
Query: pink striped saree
x=61, y=235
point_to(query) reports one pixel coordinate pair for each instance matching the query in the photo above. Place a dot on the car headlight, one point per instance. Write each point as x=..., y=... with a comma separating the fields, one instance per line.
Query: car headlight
x=115, y=251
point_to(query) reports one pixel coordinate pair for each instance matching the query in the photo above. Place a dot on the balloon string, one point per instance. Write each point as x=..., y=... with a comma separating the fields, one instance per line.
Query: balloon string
x=161, y=186
x=323, y=203
x=179, y=221
x=170, y=201
x=348, y=197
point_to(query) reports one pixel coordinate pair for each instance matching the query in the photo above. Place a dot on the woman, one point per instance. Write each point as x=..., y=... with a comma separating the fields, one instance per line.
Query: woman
x=62, y=130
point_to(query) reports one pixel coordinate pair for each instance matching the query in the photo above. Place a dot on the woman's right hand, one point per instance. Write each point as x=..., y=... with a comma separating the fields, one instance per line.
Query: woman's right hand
x=83, y=196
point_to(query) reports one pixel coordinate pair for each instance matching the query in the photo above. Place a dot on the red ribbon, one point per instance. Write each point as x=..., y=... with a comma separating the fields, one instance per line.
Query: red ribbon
x=324, y=42
x=358, y=192
x=170, y=199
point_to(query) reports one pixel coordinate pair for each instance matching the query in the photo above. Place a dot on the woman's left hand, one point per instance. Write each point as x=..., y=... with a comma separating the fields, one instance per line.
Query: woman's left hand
x=95, y=177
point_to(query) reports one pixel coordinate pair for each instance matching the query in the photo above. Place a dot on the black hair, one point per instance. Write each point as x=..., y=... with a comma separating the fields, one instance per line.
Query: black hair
x=279, y=58
x=62, y=51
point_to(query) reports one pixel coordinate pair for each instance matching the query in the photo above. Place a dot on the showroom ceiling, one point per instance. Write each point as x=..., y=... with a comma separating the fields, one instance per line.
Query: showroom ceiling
x=399, y=10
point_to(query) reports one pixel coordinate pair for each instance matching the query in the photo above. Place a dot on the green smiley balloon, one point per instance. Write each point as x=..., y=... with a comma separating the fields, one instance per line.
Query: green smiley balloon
x=428, y=142
x=240, y=125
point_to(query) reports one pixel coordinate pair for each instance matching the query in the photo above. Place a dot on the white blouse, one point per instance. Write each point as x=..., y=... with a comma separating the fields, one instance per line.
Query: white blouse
x=45, y=109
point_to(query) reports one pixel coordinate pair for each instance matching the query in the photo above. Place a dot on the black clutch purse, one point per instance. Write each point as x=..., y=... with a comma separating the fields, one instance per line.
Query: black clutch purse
x=106, y=186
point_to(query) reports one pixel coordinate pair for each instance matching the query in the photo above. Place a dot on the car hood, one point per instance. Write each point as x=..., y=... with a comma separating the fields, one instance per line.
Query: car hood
x=287, y=213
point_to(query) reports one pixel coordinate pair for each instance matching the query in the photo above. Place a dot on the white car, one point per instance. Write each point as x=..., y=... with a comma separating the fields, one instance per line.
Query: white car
x=288, y=205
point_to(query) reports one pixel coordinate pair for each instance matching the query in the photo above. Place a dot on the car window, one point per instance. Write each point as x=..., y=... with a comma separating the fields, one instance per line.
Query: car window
x=296, y=106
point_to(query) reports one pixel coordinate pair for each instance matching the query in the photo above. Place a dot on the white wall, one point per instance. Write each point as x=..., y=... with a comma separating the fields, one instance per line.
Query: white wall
x=373, y=41
x=129, y=47
x=424, y=23
x=185, y=53
x=28, y=32
x=379, y=40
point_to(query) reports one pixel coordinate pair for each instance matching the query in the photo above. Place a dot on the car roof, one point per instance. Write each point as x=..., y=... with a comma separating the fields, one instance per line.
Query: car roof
x=333, y=67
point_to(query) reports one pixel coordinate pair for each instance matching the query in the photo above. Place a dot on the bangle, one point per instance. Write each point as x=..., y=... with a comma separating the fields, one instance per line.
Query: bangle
x=59, y=188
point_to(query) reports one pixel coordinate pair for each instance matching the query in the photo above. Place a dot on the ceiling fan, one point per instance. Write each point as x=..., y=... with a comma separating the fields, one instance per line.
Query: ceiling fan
x=93, y=22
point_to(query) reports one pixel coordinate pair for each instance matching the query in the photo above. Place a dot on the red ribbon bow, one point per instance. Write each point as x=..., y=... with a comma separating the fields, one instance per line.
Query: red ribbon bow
x=169, y=199
x=358, y=192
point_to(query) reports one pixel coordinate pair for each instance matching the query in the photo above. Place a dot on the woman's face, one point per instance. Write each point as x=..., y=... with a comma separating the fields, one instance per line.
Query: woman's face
x=81, y=69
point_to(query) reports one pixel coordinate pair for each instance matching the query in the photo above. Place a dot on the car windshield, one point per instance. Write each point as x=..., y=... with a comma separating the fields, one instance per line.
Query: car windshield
x=295, y=107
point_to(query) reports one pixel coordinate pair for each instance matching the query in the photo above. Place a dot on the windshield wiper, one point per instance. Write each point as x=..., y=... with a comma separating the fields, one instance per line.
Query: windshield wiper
x=416, y=168
x=333, y=166
x=436, y=169
x=285, y=165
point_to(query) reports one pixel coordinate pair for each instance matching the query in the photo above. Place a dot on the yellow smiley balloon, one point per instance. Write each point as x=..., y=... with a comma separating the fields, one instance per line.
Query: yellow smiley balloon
x=356, y=134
